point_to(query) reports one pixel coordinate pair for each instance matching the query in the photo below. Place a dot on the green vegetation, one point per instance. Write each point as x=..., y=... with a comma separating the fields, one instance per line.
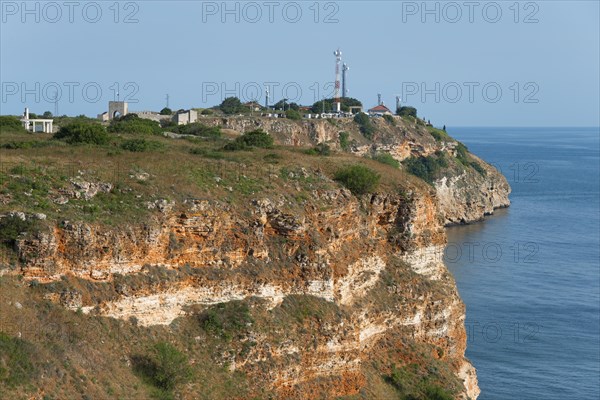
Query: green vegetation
x=141, y=145
x=345, y=105
x=30, y=144
x=406, y=111
x=293, y=114
x=463, y=157
x=344, y=141
x=438, y=134
x=358, y=179
x=389, y=119
x=9, y=123
x=207, y=111
x=166, y=111
x=226, y=320
x=79, y=132
x=164, y=367
x=426, y=168
x=131, y=123
x=319, y=150
x=11, y=227
x=231, y=105
x=386, y=158
x=198, y=129
x=409, y=381
x=365, y=125
x=255, y=138
x=16, y=367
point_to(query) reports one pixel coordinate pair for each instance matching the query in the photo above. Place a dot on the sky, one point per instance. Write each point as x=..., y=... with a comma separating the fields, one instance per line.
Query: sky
x=463, y=63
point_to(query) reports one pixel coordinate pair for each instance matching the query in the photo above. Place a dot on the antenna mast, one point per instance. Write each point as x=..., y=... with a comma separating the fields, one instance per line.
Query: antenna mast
x=167, y=98
x=336, y=94
x=345, y=68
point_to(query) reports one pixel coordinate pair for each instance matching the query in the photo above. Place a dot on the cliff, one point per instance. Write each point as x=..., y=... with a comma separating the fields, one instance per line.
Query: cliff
x=276, y=281
x=464, y=194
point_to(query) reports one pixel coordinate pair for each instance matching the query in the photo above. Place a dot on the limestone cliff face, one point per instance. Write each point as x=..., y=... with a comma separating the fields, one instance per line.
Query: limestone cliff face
x=464, y=196
x=376, y=258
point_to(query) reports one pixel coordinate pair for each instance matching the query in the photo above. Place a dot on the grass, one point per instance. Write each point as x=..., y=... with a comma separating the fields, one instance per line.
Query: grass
x=386, y=158
x=226, y=320
x=16, y=367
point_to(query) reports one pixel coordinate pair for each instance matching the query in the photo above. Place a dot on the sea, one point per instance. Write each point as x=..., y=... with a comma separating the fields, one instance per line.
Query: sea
x=530, y=274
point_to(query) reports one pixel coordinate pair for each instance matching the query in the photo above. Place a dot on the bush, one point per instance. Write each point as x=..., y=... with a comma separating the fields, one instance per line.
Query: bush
x=406, y=111
x=166, y=111
x=141, y=145
x=83, y=132
x=8, y=123
x=16, y=367
x=426, y=168
x=207, y=111
x=319, y=150
x=163, y=366
x=390, y=120
x=293, y=114
x=198, y=129
x=358, y=179
x=438, y=135
x=365, y=125
x=226, y=319
x=12, y=226
x=344, y=141
x=386, y=158
x=256, y=138
x=131, y=123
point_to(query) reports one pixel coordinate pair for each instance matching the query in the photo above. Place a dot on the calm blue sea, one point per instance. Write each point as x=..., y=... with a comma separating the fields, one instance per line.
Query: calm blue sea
x=530, y=274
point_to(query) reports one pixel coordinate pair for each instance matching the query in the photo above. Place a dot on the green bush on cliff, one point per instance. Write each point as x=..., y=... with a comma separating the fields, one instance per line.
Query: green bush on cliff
x=358, y=179
x=255, y=138
x=365, y=125
x=386, y=158
x=226, y=320
x=163, y=366
x=345, y=141
x=16, y=367
x=426, y=168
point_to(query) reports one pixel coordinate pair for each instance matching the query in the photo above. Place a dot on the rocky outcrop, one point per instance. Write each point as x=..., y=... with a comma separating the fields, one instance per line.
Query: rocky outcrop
x=375, y=258
x=464, y=195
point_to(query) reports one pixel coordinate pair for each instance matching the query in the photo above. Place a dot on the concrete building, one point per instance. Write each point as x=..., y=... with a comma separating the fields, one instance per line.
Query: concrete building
x=115, y=109
x=32, y=125
x=185, y=117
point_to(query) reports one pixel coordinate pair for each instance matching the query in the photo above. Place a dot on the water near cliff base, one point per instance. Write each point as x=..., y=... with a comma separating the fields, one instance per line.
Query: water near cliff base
x=530, y=274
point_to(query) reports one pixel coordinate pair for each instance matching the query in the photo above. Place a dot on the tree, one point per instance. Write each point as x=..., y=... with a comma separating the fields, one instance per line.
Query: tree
x=346, y=103
x=231, y=105
x=166, y=111
x=365, y=125
x=406, y=111
x=47, y=115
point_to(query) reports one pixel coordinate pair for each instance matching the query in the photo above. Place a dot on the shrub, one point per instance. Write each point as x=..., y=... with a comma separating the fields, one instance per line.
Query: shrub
x=207, y=153
x=406, y=111
x=12, y=226
x=131, y=123
x=166, y=111
x=83, y=132
x=426, y=168
x=344, y=141
x=226, y=319
x=293, y=114
x=365, y=125
x=438, y=135
x=141, y=145
x=389, y=119
x=207, y=111
x=386, y=158
x=198, y=129
x=256, y=138
x=16, y=367
x=163, y=366
x=9, y=123
x=358, y=179
x=319, y=150
x=463, y=157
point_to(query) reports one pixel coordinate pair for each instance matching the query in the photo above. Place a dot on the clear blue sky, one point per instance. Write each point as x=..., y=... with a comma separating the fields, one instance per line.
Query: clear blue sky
x=543, y=56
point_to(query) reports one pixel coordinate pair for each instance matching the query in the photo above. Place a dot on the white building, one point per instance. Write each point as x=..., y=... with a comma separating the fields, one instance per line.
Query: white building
x=186, y=117
x=32, y=124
